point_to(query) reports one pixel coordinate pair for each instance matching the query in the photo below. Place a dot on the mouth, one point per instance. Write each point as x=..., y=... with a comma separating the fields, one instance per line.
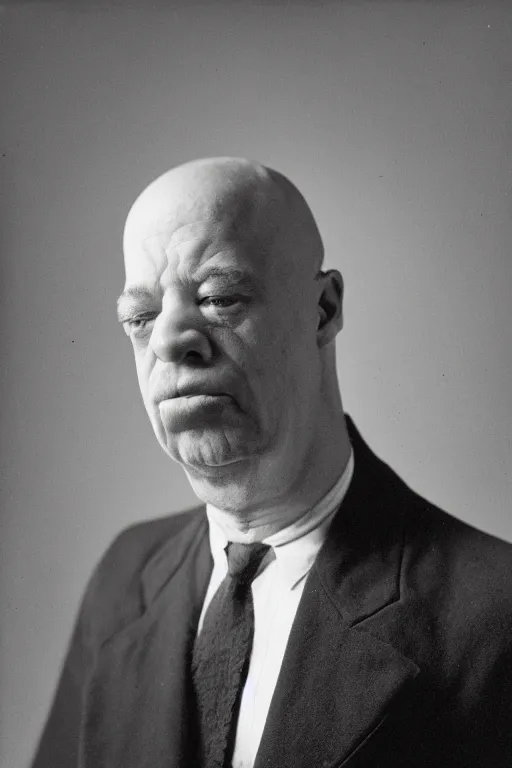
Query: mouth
x=202, y=398
x=195, y=389
x=187, y=393
x=191, y=408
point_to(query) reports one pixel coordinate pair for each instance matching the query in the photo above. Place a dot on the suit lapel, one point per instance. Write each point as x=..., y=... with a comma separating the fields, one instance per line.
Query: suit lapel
x=338, y=681
x=335, y=688
x=138, y=707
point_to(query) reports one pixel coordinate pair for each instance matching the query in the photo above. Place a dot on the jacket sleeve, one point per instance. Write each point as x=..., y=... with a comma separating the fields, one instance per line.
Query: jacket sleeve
x=59, y=742
x=58, y=745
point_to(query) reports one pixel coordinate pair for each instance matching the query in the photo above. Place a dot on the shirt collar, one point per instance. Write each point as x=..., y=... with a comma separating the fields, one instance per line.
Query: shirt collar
x=296, y=546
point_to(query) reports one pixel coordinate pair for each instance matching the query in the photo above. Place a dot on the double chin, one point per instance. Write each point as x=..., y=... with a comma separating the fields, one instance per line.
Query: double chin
x=209, y=449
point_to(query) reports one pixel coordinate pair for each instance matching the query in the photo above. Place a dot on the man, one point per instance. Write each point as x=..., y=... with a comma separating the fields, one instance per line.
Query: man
x=316, y=613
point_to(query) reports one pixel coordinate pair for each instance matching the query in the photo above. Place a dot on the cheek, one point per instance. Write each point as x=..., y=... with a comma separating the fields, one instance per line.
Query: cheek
x=255, y=343
x=144, y=367
x=255, y=348
x=253, y=352
x=295, y=369
x=143, y=374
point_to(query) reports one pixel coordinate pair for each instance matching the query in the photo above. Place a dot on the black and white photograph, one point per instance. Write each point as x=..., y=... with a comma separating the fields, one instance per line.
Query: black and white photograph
x=256, y=357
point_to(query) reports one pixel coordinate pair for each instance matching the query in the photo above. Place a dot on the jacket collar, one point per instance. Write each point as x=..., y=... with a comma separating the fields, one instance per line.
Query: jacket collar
x=138, y=703
x=161, y=568
x=359, y=565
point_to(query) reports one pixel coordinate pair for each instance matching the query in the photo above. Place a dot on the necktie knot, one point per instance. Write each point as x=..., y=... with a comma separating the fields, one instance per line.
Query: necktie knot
x=244, y=560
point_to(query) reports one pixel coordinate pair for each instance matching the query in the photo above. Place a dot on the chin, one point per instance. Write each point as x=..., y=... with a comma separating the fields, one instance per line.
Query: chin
x=211, y=451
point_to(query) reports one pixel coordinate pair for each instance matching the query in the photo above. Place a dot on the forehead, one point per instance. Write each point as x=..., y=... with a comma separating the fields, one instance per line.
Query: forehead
x=188, y=251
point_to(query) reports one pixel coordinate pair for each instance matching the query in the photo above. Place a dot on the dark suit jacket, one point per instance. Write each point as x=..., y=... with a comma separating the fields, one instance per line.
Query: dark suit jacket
x=400, y=654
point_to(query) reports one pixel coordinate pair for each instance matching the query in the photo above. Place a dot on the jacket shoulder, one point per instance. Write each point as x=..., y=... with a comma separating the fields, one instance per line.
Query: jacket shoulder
x=114, y=595
x=463, y=574
x=481, y=559
x=135, y=545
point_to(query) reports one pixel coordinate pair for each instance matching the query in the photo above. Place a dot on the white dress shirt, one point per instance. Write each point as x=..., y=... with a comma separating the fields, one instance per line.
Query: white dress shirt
x=276, y=592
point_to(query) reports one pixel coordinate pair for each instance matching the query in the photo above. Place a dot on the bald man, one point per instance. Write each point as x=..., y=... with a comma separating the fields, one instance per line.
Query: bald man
x=314, y=611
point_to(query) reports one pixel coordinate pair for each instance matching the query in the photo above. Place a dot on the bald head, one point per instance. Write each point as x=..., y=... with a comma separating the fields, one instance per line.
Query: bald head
x=243, y=197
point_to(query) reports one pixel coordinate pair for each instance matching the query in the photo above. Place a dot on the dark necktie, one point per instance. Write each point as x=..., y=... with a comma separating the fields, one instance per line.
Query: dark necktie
x=222, y=653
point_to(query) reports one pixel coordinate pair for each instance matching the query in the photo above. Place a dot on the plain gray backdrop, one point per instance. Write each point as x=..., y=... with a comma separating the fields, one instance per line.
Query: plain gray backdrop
x=394, y=118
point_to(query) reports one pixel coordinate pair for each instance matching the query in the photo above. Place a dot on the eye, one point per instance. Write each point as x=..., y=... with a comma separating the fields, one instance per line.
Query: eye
x=221, y=302
x=138, y=324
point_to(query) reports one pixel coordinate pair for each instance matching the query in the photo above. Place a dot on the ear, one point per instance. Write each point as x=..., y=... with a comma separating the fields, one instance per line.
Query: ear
x=330, y=306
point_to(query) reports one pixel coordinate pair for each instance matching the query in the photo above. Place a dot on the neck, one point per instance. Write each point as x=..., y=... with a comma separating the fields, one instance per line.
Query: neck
x=258, y=505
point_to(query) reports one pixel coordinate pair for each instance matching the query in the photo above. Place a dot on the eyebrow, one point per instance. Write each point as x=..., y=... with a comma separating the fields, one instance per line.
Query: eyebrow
x=128, y=297
x=226, y=274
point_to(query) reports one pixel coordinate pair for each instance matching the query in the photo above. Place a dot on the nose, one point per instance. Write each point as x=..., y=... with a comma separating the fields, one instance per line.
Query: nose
x=178, y=336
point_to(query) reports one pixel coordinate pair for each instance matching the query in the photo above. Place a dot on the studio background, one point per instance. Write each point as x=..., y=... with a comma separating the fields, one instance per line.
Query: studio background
x=393, y=118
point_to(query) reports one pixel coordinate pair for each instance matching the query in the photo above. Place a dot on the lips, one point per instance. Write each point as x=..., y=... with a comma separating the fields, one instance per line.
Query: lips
x=194, y=391
x=195, y=409
x=204, y=398
x=166, y=392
